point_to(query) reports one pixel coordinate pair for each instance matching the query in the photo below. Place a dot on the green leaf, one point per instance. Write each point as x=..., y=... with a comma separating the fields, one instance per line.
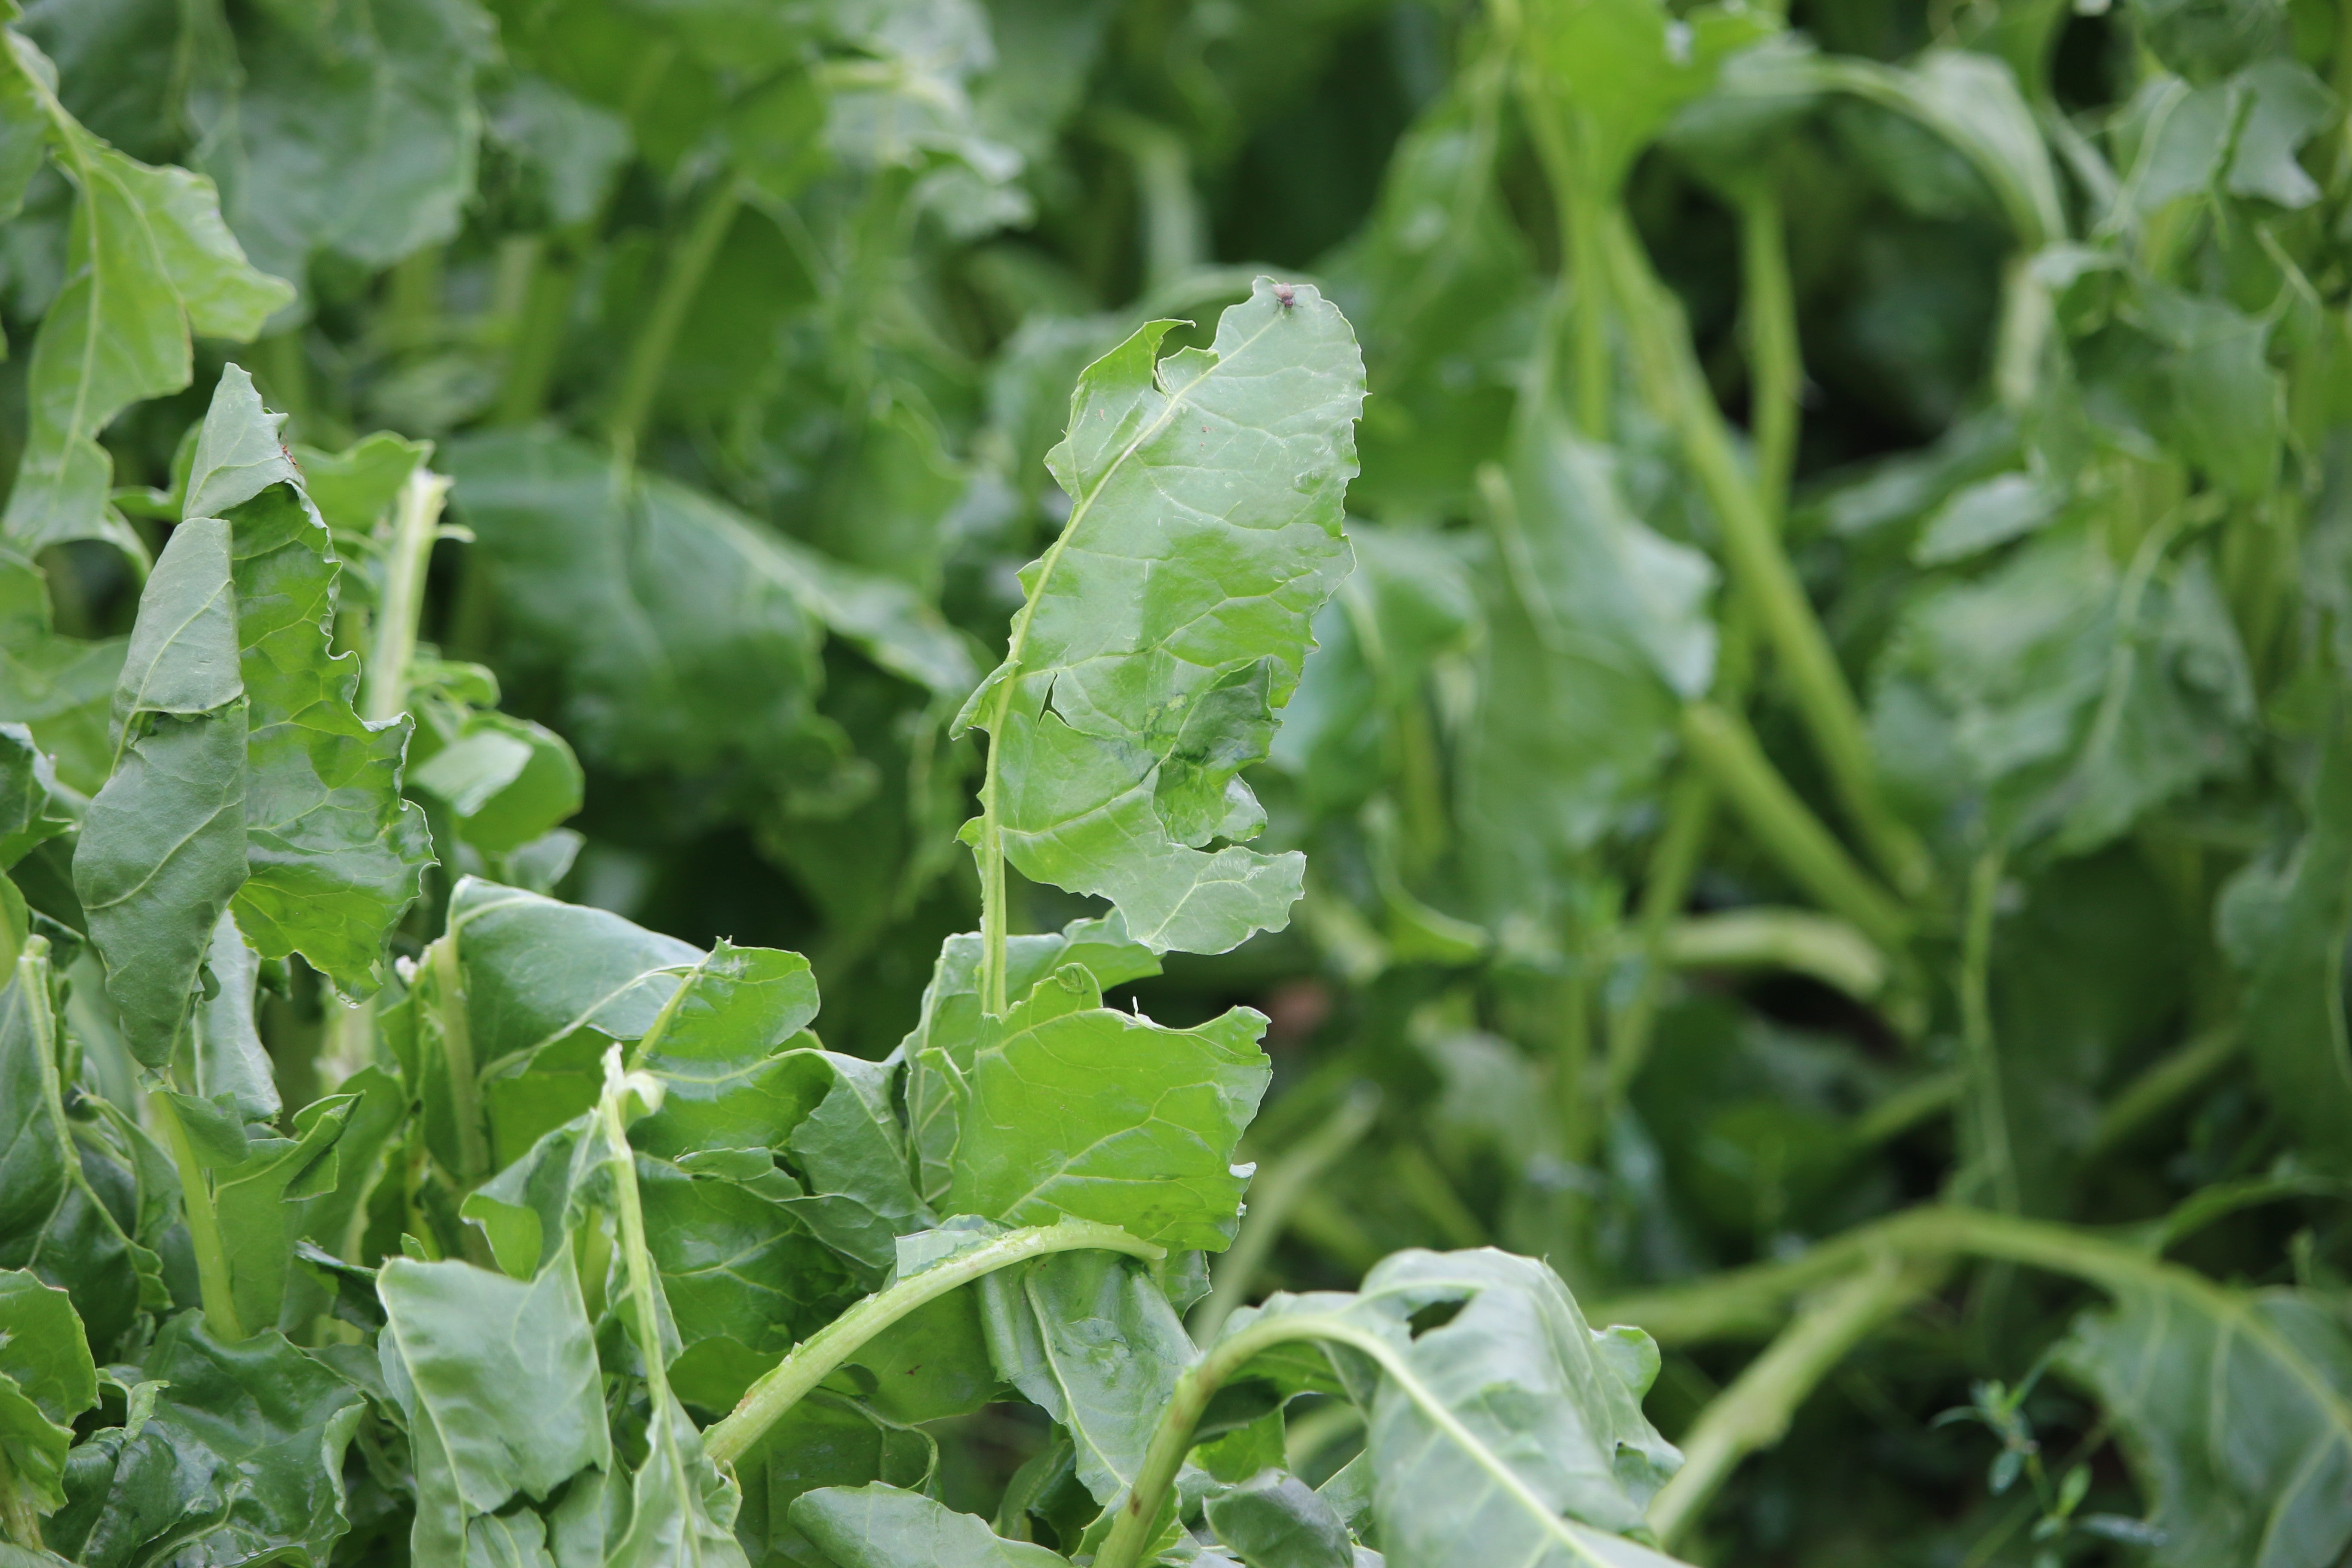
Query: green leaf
x=28, y=791
x=354, y=489
x=231, y=1066
x=2284, y=924
x=507, y=780
x=742, y=1274
x=46, y=1379
x=53, y=1221
x=612, y=573
x=2059, y=695
x=348, y=130
x=1597, y=633
x=1519, y=1370
x=1277, y=1520
x=824, y=1440
x=162, y=851
x=1627, y=64
x=256, y=1197
x=882, y=1527
x=715, y=1045
x=548, y=985
x=500, y=1385
x=147, y=260
x=240, y=1460
x=2235, y=1410
x=682, y=1510
x=1089, y=1338
x=58, y=687
x=1076, y=1109
x=1133, y=692
x=183, y=656
x=335, y=855
x=938, y=1052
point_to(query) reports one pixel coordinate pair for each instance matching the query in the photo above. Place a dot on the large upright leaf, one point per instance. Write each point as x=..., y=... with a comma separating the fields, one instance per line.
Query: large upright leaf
x=1075, y=1108
x=335, y=855
x=164, y=847
x=349, y=128
x=1597, y=633
x=148, y=261
x=239, y=1460
x=1165, y=628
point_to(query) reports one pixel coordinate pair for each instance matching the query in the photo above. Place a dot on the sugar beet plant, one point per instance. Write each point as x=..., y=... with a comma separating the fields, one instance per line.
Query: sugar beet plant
x=1772, y=749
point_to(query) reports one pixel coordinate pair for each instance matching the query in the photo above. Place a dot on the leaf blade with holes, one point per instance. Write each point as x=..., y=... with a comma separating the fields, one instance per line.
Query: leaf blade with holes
x=1166, y=625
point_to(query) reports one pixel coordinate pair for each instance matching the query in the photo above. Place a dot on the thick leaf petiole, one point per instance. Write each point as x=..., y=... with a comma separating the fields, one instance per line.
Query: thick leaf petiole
x=816, y=1358
x=203, y=1225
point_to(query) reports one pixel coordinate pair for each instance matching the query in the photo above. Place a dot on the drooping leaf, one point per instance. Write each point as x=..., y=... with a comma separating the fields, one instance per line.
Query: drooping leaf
x=1273, y=1520
x=501, y=1387
x=1165, y=628
x=2060, y=696
x=239, y=1460
x=1597, y=633
x=1077, y=1110
x=2235, y=1409
x=882, y=1527
x=1511, y=1423
x=1090, y=1339
x=615, y=573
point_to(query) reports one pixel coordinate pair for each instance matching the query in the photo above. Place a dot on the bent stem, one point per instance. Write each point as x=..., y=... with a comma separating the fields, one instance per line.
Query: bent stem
x=1726, y=750
x=1751, y=1303
x=1139, y=1513
x=1753, y=1414
x=1816, y=684
x=816, y=1358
